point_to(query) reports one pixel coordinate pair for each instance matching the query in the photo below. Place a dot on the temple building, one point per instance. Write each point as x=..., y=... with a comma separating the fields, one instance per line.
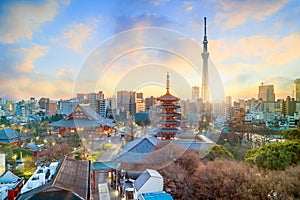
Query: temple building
x=10, y=136
x=83, y=118
x=169, y=117
x=10, y=186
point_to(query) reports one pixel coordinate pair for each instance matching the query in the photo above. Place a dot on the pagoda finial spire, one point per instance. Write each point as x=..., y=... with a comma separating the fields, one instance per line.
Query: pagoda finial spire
x=168, y=83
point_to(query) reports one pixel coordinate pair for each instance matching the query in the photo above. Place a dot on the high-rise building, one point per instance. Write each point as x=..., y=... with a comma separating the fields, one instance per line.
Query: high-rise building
x=195, y=93
x=297, y=89
x=228, y=106
x=96, y=100
x=140, y=103
x=44, y=104
x=126, y=102
x=102, y=108
x=150, y=102
x=289, y=106
x=66, y=107
x=266, y=92
x=205, y=55
x=31, y=105
x=112, y=103
x=52, y=107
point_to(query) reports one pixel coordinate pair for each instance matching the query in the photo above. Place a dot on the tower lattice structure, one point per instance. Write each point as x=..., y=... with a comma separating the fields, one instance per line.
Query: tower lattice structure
x=205, y=55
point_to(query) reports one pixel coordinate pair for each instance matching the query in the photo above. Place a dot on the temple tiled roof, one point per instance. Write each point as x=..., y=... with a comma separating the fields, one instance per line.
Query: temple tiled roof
x=135, y=150
x=192, y=144
x=90, y=119
x=8, y=135
x=168, y=106
x=74, y=175
x=169, y=114
x=170, y=122
x=103, y=166
x=71, y=182
x=77, y=122
x=33, y=147
x=9, y=177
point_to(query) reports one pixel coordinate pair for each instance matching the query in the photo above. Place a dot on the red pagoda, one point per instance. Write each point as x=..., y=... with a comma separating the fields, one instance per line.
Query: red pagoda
x=169, y=117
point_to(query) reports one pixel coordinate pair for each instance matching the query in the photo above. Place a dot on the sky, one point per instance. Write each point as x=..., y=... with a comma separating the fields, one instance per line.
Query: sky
x=59, y=48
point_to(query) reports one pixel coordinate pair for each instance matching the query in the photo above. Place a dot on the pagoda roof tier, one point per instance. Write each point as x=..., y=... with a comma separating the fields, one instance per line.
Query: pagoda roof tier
x=162, y=106
x=170, y=122
x=169, y=130
x=170, y=114
x=168, y=97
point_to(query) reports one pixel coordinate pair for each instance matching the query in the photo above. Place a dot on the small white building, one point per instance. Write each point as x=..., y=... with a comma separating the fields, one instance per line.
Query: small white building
x=148, y=182
x=42, y=175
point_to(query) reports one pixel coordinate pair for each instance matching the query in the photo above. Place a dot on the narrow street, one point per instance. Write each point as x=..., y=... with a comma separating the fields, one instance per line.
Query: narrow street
x=102, y=178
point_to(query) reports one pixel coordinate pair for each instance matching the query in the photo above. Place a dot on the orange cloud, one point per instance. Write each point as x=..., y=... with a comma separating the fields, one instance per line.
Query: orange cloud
x=78, y=34
x=237, y=12
x=30, y=56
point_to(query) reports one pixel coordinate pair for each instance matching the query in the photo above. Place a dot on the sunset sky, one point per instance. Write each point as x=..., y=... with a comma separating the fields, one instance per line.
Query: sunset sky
x=57, y=48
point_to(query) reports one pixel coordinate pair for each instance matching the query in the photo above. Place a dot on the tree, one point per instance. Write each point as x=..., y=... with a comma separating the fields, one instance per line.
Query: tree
x=224, y=179
x=218, y=152
x=7, y=150
x=291, y=134
x=4, y=121
x=276, y=156
x=25, y=152
x=176, y=165
x=56, y=117
x=55, y=152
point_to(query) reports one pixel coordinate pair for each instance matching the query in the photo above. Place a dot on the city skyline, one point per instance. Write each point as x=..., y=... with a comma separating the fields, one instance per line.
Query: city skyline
x=44, y=44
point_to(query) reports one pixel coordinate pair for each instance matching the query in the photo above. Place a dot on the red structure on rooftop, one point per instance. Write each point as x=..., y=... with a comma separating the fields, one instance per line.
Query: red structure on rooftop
x=169, y=117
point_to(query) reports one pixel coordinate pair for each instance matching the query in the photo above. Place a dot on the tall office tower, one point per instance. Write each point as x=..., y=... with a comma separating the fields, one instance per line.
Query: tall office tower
x=112, y=103
x=205, y=55
x=266, y=92
x=94, y=99
x=52, y=108
x=31, y=105
x=228, y=107
x=126, y=102
x=150, y=102
x=101, y=107
x=140, y=103
x=195, y=93
x=297, y=89
x=44, y=104
x=66, y=107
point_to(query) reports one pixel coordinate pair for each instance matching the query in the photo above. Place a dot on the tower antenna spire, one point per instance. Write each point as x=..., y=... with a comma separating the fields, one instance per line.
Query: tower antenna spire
x=204, y=26
x=205, y=37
